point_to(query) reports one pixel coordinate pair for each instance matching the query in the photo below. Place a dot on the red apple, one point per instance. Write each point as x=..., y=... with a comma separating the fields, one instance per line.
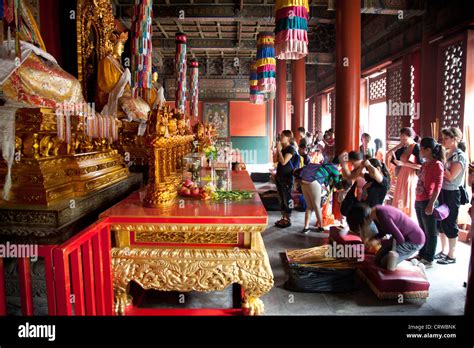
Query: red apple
x=188, y=183
x=185, y=191
x=195, y=191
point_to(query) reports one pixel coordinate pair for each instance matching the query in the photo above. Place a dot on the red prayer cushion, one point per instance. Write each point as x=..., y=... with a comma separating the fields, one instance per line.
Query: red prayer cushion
x=336, y=234
x=407, y=280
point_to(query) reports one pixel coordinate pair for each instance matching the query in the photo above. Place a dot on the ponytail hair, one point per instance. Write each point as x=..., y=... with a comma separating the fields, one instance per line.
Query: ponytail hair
x=462, y=146
x=383, y=168
x=436, y=149
x=439, y=153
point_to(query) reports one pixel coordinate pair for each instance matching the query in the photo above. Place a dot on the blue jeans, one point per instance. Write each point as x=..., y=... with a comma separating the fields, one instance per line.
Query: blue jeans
x=404, y=250
x=428, y=225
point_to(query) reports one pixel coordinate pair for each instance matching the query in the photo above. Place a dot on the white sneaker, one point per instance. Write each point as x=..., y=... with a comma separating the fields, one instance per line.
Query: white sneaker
x=422, y=267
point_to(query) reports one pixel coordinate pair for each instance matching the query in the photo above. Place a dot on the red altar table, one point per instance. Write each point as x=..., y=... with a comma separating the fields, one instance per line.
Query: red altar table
x=192, y=245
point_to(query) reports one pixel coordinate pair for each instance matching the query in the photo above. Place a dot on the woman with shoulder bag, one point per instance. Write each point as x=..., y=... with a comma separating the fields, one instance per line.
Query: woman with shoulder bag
x=454, y=170
x=430, y=181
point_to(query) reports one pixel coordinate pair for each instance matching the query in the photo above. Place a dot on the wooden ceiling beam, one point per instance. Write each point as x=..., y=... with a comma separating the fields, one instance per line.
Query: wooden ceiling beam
x=163, y=31
x=239, y=34
x=219, y=32
x=201, y=34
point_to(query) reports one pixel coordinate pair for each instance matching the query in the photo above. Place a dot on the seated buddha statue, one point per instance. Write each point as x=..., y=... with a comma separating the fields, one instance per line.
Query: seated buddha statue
x=114, y=93
x=157, y=95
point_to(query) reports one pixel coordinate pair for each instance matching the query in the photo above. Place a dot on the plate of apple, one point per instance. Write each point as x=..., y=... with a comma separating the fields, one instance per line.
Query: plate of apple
x=191, y=189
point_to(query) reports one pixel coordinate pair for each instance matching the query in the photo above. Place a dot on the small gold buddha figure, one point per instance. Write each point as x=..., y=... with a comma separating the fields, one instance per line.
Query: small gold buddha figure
x=114, y=92
x=200, y=130
x=157, y=95
x=173, y=126
x=181, y=127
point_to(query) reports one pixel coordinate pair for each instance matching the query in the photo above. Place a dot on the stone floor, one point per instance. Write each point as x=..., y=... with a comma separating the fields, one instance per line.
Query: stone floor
x=447, y=294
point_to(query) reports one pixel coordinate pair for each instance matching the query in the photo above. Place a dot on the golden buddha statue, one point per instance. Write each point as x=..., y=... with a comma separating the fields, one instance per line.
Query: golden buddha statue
x=157, y=94
x=114, y=93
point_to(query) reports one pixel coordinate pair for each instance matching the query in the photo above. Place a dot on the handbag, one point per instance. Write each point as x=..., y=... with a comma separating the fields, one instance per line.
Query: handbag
x=464, y=195
x=349, y=201
x=441, y=212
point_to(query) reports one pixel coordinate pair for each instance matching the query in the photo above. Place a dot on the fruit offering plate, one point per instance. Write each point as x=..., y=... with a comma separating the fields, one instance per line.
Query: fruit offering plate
x=190, y=189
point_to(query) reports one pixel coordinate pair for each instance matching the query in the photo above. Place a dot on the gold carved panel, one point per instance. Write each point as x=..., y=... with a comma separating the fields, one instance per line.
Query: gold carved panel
x=95, y=24
x=187, y=237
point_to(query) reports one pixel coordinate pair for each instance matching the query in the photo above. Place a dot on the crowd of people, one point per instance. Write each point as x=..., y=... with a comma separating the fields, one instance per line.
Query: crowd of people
x=428, y=190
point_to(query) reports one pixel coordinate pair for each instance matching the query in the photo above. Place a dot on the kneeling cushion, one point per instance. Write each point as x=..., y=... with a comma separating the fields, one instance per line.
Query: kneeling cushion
x=338, y=235
x=407, y=280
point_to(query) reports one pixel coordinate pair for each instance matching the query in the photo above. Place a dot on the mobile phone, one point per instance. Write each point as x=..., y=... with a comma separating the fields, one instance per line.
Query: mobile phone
x=278, y=138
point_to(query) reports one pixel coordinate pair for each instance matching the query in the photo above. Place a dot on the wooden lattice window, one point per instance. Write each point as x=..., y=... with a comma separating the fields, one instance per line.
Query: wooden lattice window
x=451, y=84
x=332, y=107
x=318, y=107
x=413, y=109
x=394, y=97
x=377, y=89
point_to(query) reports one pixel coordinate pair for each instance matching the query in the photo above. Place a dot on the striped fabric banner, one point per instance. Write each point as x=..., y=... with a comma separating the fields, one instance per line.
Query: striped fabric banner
x=266, y=63
x=142, y=47
x=291, y=29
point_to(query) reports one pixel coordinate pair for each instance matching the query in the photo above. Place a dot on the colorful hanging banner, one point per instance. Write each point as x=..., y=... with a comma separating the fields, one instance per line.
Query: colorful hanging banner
x=266, y=63
x=142, y=47
x=291, y=29
x=194, y=89
x=180, y=100
x=256, y=97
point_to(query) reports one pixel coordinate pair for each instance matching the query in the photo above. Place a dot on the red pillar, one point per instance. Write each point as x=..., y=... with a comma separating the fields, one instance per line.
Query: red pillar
x=428, y=68
x=271, y=122
x=298, y=94
x=50, y=28
x=348, y=48
x=280, y=95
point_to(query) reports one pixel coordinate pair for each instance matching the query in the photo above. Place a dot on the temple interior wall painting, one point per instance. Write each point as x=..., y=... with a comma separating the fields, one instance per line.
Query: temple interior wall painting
x=151, y=148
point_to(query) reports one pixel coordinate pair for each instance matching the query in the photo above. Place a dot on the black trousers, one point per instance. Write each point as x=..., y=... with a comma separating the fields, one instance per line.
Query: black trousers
x=452, y=199
x=284, y=185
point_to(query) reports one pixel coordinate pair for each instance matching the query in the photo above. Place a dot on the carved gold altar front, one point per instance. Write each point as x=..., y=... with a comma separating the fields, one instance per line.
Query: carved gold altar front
x=194, y=270
x=202, y=246
x=47, y=170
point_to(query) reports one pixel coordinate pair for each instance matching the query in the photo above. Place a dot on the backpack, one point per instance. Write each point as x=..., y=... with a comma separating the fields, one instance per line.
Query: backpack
x=296, y=161
x=325, y=174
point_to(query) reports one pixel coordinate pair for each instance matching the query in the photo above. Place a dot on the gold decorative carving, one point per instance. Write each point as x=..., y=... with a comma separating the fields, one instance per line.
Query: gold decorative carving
x=163, y=140
x=187, y=237
x=194, y=228
x=46, y=170
x=95, y=24
x=169, y=269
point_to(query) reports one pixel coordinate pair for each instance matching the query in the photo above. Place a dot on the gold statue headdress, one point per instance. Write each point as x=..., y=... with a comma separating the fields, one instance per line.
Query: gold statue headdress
x=117, y=37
